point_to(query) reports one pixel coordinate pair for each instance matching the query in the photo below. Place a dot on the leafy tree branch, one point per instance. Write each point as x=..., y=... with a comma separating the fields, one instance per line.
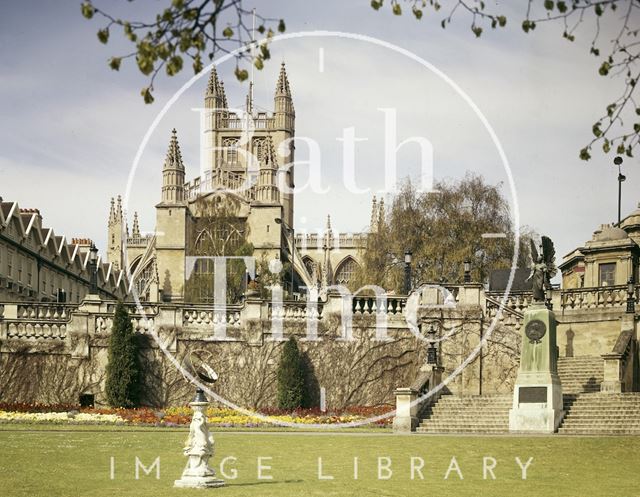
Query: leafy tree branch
x=188, y=29
x=618, y=128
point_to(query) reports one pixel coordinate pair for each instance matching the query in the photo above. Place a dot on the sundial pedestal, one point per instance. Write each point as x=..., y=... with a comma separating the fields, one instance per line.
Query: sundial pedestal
x=537, y=396
x=199, y=448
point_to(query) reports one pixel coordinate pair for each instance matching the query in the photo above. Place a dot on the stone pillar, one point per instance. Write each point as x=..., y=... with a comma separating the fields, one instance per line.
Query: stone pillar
x=537, y=397
x=471, y=294
x=612, y=374
x=406, y=418
x=10, y=311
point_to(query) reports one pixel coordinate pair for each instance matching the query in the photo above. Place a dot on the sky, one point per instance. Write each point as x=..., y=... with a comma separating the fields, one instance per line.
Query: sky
x=71, y=126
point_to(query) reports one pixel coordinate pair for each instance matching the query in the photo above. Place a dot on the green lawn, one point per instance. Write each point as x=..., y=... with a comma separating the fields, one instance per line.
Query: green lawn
x=77, y=463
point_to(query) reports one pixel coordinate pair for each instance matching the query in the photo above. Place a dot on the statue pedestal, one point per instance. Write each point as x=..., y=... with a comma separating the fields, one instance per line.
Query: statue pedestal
x=199, y=448
x=537, y=396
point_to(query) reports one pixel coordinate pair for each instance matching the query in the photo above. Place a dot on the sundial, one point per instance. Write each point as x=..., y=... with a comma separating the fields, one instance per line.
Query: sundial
x=196, y=365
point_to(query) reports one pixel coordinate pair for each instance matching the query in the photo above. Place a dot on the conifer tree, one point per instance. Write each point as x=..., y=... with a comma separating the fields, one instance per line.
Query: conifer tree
x=291, y=377
x=123, y=369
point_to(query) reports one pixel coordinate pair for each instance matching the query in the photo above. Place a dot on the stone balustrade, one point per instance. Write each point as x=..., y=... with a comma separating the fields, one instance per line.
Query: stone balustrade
x=35, y=330
x=44, y=312
x=35, y=321
x=511, y=315
x=52, y=321
x=206, y=316
x=369, y=305
x=299, y=311
x=515, y=301
x=594, y=298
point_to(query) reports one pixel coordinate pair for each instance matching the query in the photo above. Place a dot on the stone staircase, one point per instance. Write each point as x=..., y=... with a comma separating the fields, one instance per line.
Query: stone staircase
x=472, y=414
x=580, y=374
x=601, y=414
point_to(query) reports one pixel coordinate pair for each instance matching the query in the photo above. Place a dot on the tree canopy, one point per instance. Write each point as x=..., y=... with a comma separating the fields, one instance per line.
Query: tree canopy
x=463, y=220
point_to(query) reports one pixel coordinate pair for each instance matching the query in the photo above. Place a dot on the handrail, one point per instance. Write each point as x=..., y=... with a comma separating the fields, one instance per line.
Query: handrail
x=421, y=385
x=504, y=307
x=623, y=343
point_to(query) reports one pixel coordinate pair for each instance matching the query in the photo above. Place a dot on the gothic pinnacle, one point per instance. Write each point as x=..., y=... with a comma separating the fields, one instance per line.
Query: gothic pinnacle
x=282, y=88
x=215, y=89
x=112, y=211
x=136, y=225
x=173, y=159
x=214, y=84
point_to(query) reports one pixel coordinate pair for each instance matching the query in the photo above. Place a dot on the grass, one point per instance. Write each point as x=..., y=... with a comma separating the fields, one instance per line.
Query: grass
x=76, y=462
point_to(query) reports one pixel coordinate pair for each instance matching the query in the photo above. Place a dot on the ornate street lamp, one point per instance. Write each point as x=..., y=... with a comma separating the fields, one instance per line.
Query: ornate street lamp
x=621, y=177
x=93, y=269
x=631, y=301
x=407, y=271
x=432, y=350
x=467, y=271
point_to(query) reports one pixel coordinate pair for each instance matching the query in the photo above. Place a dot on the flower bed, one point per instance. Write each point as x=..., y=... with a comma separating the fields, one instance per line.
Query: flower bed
x=177, y=416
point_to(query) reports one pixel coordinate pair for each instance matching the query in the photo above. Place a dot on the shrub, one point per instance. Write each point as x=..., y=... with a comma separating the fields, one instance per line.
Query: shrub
x=123, y=368
x=291, y=377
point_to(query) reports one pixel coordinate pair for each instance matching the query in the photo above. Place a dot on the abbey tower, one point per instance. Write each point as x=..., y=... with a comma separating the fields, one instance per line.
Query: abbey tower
x=247, y=167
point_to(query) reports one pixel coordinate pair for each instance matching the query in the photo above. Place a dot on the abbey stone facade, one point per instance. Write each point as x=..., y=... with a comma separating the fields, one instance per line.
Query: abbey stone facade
x=261, y=214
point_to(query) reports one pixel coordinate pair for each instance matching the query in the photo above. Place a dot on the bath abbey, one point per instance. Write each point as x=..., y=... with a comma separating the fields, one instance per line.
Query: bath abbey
x=240, y=187
x=450, y=356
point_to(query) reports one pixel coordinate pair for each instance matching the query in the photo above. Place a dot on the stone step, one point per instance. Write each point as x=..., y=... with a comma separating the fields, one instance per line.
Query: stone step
x=598, y=364
x=585, y=377
x=586, y=364
x=580, y=389
x=595, y=398
x=582, y=384
x=467, y=413
x=602, y=414
x=474, y=403
x=465, y=425
x=609, y=425
x=592, y=363
x=455, y=430
x=607, y=395
x=471, y=412
x=612, y=404
x=500, y=405
x=469, y=419
x=474, y=414
x=579, y=358
x=599, y=431
x=593, y=387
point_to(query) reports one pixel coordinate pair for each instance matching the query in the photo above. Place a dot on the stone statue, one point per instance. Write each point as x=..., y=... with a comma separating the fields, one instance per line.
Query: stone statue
x=543, y=268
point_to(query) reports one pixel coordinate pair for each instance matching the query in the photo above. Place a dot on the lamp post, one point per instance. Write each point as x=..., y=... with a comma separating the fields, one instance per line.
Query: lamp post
x=467, y=271
x=432, y=350
x=621, y=177
x=407, y=271
x=93, y=268
x=631, y=301
x=289, y=230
